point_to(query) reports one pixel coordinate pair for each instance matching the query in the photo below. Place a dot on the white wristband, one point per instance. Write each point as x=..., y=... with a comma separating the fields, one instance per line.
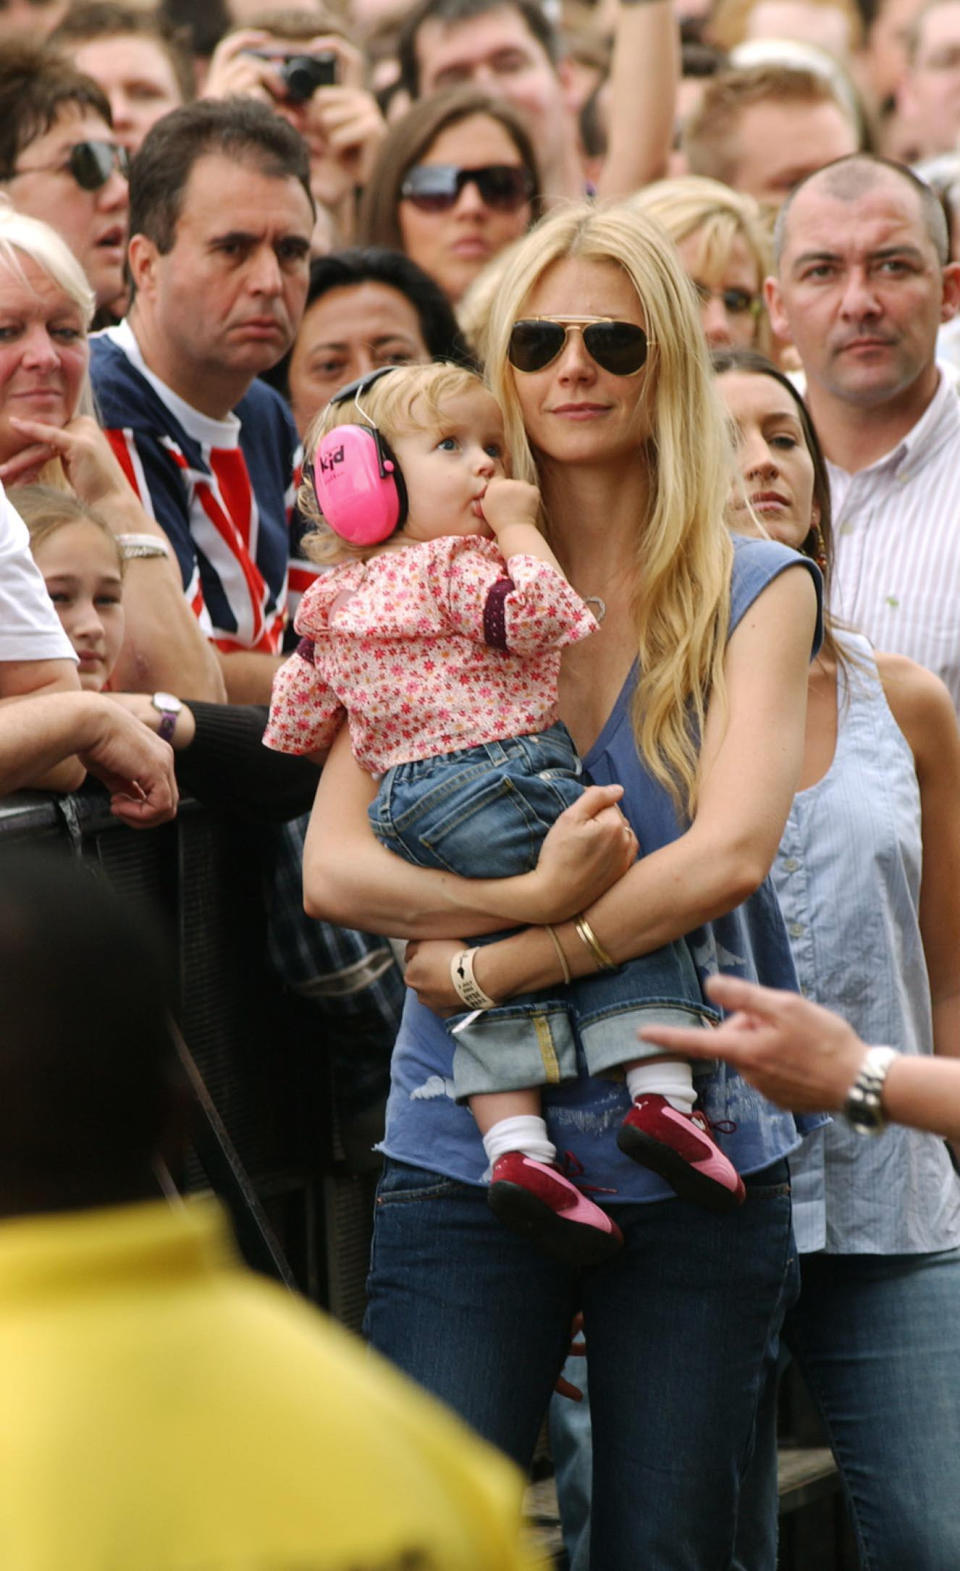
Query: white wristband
x=465, y=984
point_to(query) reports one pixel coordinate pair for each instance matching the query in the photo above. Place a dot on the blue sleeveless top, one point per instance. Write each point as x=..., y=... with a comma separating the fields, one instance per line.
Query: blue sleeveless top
x=426, y=1128
x=848, y=876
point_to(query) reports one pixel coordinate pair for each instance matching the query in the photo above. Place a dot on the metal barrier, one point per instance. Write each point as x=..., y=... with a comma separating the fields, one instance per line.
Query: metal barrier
x=263, y=1126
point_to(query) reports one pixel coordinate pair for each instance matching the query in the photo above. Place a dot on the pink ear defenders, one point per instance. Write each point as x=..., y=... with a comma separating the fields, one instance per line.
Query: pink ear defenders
x=359, y=484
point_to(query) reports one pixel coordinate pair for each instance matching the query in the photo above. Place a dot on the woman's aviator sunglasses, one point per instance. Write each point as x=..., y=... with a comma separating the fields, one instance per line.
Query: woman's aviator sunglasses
x=436, y=187
x=617, y=347
x=90, y=163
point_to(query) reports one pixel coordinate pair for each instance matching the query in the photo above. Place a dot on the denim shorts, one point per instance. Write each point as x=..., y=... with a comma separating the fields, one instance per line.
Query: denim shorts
x=541, y=1039
x=482, y=812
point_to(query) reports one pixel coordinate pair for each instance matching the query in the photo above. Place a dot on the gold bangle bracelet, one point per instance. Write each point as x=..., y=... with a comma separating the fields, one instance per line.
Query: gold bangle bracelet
x=564, y=964
x=590, y=941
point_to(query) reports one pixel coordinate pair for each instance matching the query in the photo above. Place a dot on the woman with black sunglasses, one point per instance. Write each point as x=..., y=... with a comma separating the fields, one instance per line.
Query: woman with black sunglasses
x=455, y=181
x=691, y=695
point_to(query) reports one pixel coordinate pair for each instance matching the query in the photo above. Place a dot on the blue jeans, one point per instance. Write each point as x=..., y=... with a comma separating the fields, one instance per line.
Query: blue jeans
x=483, y=812
x=571, y=1447
x=681, y=1328
x=877, y=1338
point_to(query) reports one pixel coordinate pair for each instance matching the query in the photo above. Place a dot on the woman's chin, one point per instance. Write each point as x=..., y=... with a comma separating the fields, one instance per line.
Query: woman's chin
x=44, y=405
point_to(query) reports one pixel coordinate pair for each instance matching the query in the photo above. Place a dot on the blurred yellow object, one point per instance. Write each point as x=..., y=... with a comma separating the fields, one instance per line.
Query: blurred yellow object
x=165, y=1409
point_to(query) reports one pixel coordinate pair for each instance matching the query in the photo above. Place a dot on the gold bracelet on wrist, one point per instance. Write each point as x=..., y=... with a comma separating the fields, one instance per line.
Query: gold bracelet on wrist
x=590, y=941
x=564, y=963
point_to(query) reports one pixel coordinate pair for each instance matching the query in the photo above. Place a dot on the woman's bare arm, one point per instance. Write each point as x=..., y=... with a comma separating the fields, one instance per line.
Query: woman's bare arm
x=647, y=50
x=923, y=710
x=20, y=679
x=349, y=877
x=94, y=734
x=750, y=764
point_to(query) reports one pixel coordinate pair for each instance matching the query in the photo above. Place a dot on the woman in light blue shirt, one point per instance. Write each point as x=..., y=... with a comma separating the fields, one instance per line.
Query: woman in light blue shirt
x=868, y=877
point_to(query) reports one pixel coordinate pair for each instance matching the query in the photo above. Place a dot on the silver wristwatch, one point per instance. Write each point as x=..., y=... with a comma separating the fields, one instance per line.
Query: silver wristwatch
x=863, y=1108
x=168, y=707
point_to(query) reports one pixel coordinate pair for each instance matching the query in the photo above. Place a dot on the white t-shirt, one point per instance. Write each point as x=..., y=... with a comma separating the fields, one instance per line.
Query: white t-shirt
x=29, y=626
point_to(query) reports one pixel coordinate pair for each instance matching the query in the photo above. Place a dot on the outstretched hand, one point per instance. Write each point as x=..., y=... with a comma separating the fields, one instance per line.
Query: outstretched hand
x=798, y=1054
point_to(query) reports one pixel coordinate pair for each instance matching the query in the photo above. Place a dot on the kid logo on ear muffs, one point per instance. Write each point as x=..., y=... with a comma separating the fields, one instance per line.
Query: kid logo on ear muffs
x=358, y=482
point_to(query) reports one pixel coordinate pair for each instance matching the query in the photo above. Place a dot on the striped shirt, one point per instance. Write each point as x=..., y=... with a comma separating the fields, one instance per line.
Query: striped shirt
x=897, y=543
x=222, y=490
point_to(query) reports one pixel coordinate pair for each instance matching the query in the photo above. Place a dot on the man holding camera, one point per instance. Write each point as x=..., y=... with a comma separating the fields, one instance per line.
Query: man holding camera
x=308, y=71
x=221, y=220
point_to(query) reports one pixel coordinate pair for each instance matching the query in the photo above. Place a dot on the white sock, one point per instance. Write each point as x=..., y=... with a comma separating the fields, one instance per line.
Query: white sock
x=527, y=1133
x=672, y=1079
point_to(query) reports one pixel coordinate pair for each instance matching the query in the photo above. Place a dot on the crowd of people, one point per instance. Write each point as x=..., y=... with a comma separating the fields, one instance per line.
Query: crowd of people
x=510, y=455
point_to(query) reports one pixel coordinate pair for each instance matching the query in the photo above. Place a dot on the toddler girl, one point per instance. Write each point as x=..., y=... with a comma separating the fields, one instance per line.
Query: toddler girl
x=441, y=647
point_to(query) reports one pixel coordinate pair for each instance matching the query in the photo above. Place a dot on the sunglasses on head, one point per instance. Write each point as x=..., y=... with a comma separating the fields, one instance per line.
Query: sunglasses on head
x=436, y=187
x=736, y=302
x=618, y=347
x=90, y=163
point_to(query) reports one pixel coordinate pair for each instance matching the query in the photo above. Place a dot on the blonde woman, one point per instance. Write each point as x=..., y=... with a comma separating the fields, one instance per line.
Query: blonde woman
x=725, y=249
x=48, y=433
x=630, y=453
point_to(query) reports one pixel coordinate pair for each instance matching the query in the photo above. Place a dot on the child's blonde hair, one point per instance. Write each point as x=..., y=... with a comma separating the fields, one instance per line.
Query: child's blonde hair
x=45, y=509
x=390, y=405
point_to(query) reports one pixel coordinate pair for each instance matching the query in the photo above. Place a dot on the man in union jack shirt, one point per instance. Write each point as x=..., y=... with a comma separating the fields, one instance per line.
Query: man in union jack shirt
x=221, y=219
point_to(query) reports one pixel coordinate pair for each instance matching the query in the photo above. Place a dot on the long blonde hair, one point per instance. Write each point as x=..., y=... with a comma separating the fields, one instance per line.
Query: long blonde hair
x=680, y=571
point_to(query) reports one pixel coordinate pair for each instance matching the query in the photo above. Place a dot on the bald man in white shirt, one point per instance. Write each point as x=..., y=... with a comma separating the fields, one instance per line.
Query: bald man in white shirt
x=863, y=285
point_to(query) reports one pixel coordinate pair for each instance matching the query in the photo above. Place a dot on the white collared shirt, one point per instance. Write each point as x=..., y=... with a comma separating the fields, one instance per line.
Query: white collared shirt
x=896, y=529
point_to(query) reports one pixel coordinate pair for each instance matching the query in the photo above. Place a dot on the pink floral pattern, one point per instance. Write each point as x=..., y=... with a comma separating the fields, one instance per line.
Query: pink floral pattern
x=398, y=650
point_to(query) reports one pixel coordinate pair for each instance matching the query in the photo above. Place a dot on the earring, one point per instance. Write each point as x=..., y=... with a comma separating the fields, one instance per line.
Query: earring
x=819, y=547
